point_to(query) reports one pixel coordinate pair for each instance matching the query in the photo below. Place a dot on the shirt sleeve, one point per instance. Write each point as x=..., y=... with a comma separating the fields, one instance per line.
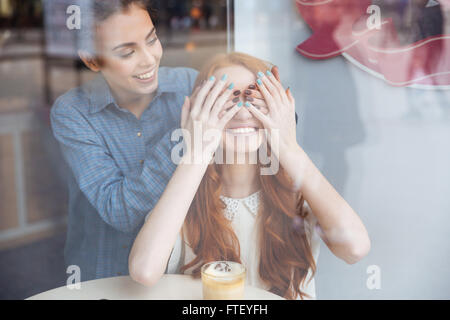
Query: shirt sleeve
x=192, y=76
x=120, y=200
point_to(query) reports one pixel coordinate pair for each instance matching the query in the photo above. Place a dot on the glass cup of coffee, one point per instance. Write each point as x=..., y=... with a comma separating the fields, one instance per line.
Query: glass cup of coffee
x=223, y=280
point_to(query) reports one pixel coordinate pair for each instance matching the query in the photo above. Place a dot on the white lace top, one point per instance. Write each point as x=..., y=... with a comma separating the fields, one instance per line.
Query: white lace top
x=243, y=214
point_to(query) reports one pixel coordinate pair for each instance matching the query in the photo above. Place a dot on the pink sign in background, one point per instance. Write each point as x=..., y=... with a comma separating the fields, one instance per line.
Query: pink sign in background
x=341, y=27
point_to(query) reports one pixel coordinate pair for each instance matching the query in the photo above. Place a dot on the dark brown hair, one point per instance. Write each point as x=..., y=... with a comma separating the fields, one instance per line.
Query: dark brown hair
x=94, y=12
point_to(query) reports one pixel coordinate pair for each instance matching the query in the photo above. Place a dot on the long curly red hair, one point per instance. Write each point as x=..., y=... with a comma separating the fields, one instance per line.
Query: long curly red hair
x=285, y=253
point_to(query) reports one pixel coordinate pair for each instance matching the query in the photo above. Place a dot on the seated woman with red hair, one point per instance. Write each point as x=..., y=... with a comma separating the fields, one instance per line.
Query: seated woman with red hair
x=269, y=219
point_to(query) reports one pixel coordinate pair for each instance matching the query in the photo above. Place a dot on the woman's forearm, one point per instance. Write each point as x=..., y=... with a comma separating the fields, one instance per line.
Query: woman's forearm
x=199, y=118
x=343, y=231
x=152, y=246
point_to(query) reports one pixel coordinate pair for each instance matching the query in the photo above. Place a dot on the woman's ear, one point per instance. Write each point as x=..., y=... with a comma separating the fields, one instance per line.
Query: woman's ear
x=89, y=60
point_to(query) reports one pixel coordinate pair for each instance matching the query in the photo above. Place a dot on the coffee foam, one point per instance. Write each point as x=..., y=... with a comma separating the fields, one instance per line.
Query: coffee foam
x=224, y=269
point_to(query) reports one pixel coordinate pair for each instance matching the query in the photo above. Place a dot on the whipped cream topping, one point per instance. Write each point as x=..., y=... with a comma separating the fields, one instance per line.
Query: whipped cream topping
x=224, y=269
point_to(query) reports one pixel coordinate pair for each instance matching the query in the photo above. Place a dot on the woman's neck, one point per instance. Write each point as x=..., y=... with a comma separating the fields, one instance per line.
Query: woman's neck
x=239, y=180
x=136, y=104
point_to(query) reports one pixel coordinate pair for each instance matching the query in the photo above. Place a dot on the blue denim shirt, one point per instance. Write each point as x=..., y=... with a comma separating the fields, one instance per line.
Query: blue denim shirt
x=120, y=166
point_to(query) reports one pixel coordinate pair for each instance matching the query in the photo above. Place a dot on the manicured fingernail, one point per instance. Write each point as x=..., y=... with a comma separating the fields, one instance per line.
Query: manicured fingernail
x=259, y=82
x=231, y=86
x=240, y=104
x=252, y=86
x=247, y=92
x=236, y=100
x=237, y=92
x=268, y=73
x=212, y=78
x=248, y=105
x=224, y=77
x=250, y=99
x=260, y=74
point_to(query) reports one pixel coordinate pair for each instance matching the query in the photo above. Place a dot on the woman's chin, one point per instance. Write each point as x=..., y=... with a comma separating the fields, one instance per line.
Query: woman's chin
x=244, y=143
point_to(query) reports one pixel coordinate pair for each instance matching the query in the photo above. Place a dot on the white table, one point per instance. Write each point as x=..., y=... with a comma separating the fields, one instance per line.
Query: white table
x=169, y=287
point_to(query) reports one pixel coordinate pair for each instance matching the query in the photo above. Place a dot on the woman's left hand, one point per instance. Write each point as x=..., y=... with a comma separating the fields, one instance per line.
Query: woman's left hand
x=280, y=121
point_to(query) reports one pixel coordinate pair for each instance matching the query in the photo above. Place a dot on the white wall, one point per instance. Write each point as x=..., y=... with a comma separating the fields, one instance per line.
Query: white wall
x=385, y=149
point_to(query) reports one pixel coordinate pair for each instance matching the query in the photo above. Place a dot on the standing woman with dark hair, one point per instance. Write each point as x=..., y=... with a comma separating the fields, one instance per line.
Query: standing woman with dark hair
x=114, y=133
x=270, y=223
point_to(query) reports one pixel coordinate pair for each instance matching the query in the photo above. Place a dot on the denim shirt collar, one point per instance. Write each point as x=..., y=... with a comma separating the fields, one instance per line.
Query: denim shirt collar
x=100, y=93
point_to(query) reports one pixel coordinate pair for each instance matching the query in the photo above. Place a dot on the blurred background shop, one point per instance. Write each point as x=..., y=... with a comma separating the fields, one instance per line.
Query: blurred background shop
x=38, y=62
x=374, y=109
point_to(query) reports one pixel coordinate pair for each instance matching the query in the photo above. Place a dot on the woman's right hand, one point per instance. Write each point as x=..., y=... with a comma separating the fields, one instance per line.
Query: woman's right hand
x=202, y=120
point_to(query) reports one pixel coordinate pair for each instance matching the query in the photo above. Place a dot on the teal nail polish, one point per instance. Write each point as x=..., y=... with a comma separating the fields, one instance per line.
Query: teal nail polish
x=259, y=82
x=231, y=86
x=224, y=77
x=248, y=105
x=268, y=73
x=212, y=78
x=260, y=74
x=240, y=104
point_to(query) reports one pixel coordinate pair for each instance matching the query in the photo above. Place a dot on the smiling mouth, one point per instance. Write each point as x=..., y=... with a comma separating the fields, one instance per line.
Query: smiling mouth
x=242, y=130
x=145, y=76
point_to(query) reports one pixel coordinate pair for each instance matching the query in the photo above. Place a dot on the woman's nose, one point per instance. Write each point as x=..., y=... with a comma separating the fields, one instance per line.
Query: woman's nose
x=147, y=58
x=243, y=113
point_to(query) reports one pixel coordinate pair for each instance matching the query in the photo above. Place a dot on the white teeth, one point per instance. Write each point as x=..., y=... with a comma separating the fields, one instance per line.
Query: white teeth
x=242, y=130
x=146, y=75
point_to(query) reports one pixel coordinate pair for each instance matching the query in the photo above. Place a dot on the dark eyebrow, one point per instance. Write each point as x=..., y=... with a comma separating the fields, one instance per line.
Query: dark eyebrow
x=130, y=44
